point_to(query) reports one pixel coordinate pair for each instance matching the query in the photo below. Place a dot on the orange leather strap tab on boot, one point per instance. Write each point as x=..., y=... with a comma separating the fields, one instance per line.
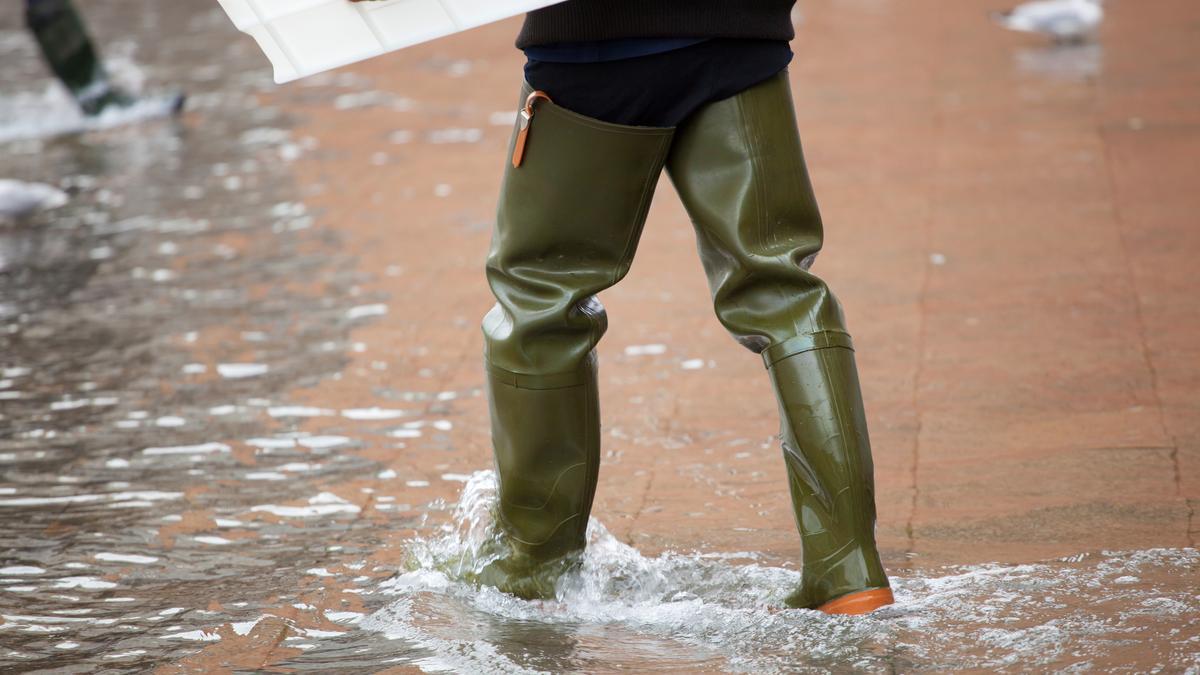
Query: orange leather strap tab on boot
x=526, y=121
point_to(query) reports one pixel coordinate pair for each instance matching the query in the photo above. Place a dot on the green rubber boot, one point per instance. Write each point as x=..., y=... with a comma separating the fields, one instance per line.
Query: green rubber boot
x=830, y=474
x=68, y=50
x=568, y=224
x=740, y=171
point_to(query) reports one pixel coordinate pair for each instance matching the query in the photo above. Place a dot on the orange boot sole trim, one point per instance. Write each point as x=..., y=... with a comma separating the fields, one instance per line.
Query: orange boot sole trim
x=860, y=602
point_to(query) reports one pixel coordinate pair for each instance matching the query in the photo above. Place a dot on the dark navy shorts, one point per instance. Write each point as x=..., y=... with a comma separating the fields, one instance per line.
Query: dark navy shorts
x=660, y=90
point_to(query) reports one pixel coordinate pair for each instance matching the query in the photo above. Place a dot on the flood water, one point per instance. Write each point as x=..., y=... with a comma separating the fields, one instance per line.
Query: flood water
x=161, y=492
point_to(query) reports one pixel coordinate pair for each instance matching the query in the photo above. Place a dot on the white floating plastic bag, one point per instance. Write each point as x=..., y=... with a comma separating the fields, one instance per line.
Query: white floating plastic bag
x=304, y=37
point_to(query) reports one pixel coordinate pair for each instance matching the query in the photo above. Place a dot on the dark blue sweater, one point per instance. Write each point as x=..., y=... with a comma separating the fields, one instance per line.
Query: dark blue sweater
x=594, y=20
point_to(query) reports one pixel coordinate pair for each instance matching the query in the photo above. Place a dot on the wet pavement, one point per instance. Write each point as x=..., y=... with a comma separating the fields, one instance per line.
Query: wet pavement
x=241, y=422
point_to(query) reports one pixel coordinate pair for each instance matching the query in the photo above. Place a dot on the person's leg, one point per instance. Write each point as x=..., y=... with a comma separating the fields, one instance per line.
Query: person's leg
x=567, y=226
x=739, y=169
x=68, y=51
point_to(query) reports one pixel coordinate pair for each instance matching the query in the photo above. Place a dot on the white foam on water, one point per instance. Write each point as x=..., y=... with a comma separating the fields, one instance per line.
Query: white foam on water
x=52, y=113
x=343, y=617
x=194, y=636
x=21, y=570
x=299, y=467
x=705, y=612
x=363, y=311
x=454, y=135
x=125, y=655
x=298, y=411
x=372, y=414
x=322, y=442
x=201, y=449
x=645, y=350
x=87, y=583
x=70, y=404
x=323, y=504
x=19, y=198
x=272, y=443
x=119, y=497
x=126, y=558
x=241, y=370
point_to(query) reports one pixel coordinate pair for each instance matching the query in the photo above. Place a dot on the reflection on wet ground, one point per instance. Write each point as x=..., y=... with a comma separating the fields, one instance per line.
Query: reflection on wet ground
x=162, y=488
x=144, y=325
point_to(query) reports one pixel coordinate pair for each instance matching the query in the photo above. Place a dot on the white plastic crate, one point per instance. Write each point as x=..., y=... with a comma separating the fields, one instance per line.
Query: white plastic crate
x=304, y=37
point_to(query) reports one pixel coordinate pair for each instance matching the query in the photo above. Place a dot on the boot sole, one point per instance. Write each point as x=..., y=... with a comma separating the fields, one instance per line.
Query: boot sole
x=861, y=602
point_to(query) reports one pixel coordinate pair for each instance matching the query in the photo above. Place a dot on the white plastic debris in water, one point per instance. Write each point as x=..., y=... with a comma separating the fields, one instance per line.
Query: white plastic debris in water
x=304, y=38
x=19, y=199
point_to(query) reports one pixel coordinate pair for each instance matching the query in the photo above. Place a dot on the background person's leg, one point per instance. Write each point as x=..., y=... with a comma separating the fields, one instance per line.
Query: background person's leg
x=68, y=50
x=739, y=168
x=568, y=223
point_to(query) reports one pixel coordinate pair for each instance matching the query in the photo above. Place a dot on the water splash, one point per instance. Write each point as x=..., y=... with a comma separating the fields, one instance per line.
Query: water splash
x=34, y=115
x=704, y=612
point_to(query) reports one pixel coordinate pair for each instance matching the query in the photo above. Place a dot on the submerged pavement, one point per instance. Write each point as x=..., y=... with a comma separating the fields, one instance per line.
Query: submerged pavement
x=240, y=393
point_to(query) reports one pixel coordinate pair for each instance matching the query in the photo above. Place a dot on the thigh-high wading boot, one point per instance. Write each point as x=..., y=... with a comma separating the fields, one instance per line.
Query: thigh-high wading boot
x=68, y=50
x=568, y=223
x=739, y=170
